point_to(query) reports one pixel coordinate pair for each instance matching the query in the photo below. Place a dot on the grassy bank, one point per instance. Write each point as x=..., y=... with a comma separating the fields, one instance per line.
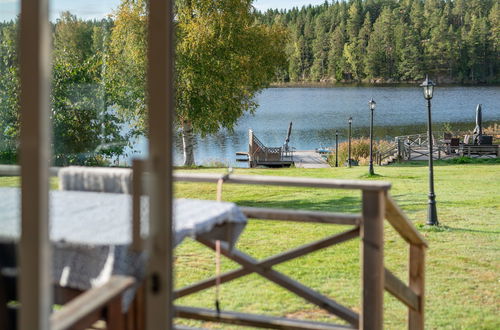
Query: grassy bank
x=463, y=260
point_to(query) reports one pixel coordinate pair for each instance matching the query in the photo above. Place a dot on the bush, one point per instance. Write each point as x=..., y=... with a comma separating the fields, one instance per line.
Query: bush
x=360, y=151
x=8, y=157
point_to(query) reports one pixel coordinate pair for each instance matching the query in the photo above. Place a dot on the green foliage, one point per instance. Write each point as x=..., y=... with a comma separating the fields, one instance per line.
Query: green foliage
x=85, y=130
x=393, y=40
x=9, y=94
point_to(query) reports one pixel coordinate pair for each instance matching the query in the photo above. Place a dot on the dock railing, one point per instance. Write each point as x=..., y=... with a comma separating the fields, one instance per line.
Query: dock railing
x=376, y=205
x=259, y=154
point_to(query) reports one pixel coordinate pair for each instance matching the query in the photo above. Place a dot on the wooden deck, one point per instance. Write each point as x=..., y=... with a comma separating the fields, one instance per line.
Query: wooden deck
x=309, y=159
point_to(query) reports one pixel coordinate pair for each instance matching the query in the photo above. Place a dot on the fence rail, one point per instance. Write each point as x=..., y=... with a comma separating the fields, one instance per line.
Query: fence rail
x=416, y=147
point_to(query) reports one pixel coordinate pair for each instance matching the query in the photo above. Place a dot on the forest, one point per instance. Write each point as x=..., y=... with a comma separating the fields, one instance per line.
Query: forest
x=454, y=41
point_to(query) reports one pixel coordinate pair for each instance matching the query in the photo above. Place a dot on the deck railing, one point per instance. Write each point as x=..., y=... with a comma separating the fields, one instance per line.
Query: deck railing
x=377, y=205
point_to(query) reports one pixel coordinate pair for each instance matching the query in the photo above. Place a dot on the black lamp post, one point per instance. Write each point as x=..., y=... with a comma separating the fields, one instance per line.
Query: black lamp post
x=372, y=105
x=349, y=144
x=432, y=218
x=336, y=148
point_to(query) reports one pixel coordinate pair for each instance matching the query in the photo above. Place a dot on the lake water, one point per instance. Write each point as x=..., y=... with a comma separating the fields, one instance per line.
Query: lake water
x=317, y=112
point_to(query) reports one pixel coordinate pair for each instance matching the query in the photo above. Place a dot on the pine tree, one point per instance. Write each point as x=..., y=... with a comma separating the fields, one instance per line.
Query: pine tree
x=381, y=50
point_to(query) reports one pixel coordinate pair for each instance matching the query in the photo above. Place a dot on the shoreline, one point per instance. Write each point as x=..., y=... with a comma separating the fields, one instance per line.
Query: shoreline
x=318, y=84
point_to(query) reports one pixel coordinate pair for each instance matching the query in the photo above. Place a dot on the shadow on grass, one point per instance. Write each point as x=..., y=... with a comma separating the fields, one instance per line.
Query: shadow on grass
x=341, y=204
x=370, y=176
x=444, y=228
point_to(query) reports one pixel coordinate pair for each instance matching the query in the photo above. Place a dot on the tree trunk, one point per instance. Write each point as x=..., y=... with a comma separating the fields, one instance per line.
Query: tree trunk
x=188, y=142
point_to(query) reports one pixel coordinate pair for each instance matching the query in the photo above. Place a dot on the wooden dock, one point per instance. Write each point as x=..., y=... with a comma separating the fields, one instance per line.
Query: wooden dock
x=260, y=155
x=309, y=159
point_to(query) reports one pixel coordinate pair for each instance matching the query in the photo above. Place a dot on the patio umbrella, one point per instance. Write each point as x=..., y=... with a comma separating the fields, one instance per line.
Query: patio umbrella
x=479, y=119
x=478, y=130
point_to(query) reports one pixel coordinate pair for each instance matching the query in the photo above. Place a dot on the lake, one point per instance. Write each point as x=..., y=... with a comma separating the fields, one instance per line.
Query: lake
x=317, y=112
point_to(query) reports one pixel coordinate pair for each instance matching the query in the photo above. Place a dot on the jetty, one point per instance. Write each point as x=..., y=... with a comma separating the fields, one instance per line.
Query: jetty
x=261, y=155
x=309, y=159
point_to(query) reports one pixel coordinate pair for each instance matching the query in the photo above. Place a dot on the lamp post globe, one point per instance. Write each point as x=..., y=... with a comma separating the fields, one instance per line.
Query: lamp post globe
x=349, y=144
x=428, y=89
x=372, y=104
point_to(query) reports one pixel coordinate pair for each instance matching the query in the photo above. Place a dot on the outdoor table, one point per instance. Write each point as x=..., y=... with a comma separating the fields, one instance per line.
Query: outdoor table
x=91, y=232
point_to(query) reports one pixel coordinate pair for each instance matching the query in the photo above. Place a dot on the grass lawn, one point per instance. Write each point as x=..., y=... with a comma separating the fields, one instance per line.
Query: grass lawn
x=463, y=260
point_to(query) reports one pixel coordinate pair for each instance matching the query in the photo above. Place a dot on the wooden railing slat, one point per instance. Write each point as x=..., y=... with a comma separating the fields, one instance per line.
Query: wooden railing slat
x=89, y=301
x=271, y=261
x=372, y=258
x=402, y=224
x=15, y=170
x=260, y=321
x=417, y=284
x=284, y=281
x=285, y=181
x=400, y=290
x=302, y=216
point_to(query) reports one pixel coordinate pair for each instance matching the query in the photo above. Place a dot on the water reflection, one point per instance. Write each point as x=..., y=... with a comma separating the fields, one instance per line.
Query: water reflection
x=317, y=112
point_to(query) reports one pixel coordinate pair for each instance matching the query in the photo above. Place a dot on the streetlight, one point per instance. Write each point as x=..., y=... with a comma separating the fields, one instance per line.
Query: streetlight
x=349, y=144
x=432, y=218
x=372, y=105
x=336, y=148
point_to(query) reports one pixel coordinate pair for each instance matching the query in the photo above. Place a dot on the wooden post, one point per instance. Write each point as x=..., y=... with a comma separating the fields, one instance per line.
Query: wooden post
x=137, y=191
x=35, y=258
x=398, y=146
x=417, y=284
x=250, y=148
x=160, y=91
x=372, y=247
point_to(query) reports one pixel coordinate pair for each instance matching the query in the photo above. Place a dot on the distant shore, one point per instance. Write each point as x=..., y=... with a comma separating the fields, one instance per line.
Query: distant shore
x=322, y=84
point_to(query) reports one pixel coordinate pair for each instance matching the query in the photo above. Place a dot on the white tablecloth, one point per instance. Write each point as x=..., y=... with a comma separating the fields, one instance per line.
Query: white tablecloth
x=91, y=232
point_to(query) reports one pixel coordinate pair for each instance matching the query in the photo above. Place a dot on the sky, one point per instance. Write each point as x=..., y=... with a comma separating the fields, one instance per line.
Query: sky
x=89, y=9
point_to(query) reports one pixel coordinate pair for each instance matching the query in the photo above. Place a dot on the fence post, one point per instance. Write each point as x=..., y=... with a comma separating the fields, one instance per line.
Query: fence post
x=398, y=146
x=250, y=148
x=417, y=284
x=372, y=277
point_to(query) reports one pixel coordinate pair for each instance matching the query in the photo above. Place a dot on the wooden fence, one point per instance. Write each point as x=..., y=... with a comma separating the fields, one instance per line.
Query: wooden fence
x=376, y=205
x=416, y=147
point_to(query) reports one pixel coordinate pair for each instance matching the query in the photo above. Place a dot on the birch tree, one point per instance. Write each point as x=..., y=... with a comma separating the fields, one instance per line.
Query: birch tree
x=223, y=58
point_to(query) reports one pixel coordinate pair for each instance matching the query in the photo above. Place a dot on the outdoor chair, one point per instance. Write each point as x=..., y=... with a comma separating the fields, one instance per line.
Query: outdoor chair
x=454, y=145
x=98, y=179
